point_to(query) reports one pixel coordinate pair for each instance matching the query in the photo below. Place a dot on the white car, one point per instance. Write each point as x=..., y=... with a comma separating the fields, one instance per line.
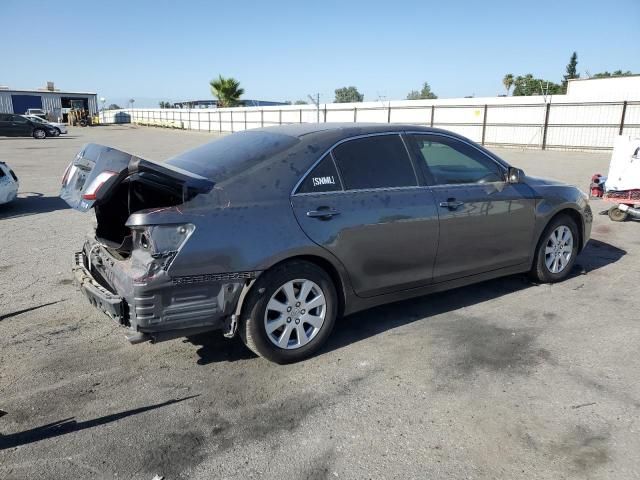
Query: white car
x=60, y=127
x=8, y=184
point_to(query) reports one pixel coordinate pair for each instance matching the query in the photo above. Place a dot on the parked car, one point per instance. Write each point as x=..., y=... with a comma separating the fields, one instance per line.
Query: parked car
x=276, y=232
x=61, y=128
x=37, y=112
x=9, y=184
x=12, y=125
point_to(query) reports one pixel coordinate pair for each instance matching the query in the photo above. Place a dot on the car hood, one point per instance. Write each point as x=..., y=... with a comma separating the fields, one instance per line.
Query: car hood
x=540, y=182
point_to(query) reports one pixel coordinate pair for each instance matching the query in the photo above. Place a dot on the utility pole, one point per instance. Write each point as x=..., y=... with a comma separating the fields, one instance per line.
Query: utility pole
x=316, y=102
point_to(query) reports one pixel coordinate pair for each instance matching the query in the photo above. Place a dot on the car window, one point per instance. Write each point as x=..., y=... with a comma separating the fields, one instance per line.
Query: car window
x=5, y=117
x=449, y=161
x=323, y=178
x=37, y=119
x=378, y=161
x=18, y=119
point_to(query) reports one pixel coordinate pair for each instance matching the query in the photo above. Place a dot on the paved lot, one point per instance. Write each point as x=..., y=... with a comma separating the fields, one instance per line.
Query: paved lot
x=499, y=380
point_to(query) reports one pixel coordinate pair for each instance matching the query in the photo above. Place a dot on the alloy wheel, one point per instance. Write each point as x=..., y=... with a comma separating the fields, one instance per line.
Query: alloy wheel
x=559, y=249
x=295, y=314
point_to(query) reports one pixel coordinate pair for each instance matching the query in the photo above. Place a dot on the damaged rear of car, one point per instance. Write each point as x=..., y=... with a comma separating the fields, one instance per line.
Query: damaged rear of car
x=130, y=267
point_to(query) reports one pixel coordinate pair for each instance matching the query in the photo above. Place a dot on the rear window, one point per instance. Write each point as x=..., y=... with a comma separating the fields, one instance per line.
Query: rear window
x=323, y=178
x=231, y=155
x=379, y=161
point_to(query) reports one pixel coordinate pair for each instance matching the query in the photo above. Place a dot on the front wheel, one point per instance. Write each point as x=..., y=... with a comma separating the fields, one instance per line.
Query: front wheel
x=39, y=133
x=290, y=312
x=57, y=132
x=557, y=251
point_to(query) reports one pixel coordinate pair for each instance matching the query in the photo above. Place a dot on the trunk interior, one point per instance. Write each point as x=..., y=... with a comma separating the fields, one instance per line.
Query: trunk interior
x=132, y=195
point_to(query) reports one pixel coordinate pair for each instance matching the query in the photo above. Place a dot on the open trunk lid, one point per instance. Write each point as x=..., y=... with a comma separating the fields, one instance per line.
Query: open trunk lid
x=96, y=172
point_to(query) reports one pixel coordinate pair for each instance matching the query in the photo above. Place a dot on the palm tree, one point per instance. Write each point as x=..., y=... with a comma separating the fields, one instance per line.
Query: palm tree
x=227, y=91
x=507, y=81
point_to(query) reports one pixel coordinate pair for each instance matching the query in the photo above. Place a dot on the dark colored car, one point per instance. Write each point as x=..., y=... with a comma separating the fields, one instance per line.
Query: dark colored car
x=276, y=232
x=12, y=125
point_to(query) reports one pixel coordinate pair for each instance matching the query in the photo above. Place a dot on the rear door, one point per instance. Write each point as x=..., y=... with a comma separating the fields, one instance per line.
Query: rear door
x=363, y=203
x=5, y=124
x=485, y=222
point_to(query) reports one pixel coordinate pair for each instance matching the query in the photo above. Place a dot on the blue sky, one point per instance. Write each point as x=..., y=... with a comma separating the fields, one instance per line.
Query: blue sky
x=284, y=50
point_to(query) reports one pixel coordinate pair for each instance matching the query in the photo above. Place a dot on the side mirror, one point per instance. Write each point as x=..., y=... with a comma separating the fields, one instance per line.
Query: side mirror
x=514, y=175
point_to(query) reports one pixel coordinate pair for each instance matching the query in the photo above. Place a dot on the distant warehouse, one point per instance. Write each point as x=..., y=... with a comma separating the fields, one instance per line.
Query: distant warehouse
x=54, y=102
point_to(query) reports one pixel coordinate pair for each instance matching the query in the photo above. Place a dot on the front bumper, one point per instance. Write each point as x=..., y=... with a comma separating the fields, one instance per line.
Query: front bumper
x=155, y=306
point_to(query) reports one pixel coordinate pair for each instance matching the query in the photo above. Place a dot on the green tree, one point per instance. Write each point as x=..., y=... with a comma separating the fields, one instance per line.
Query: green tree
x=301, y=102
x=528, y=85
x=424, y=94
x=572, y=71
x=507, y=81
x=114, y=106
x=617, y=73
x=164, y=104
x=348, y=95
x=227, y=91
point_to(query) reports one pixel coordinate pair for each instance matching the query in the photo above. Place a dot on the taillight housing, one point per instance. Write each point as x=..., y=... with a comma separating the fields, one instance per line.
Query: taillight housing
x=162, y=239
x=68, y=173
x=94, y=187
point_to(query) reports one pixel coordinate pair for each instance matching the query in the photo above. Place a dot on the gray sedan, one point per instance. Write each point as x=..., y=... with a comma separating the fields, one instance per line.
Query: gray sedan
x=274, y=233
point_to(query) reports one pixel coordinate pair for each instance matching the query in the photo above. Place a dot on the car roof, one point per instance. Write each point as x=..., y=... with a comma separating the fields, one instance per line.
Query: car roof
x=345, y=129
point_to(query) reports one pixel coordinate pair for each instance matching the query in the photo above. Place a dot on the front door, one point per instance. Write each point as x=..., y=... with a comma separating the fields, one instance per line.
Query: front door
x=371, y=214
x=485, y=223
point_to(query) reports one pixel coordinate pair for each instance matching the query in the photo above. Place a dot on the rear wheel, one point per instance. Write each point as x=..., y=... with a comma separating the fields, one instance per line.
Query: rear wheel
x=617, y=215
x=557, y=251
x=290, y=312
x=39, y=133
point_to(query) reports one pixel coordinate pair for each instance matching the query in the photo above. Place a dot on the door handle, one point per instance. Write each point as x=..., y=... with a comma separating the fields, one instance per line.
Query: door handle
x=451, y=204
x=323, y=213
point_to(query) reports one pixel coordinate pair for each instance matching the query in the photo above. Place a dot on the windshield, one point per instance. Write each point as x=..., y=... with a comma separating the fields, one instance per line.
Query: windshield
x=36, y=119
x=234, y=154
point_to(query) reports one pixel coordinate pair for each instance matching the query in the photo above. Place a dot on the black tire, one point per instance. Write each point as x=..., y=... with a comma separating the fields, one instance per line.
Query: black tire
x=39, y=134
x=252, y=328
x=540, y=272
x=57, y=132
x=617, y=215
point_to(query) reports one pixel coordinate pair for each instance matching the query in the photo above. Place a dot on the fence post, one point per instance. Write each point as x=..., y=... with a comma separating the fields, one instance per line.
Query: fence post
x=245, y=119
x=546, y=126
x=209, y=120
x=325, y=113
x=389, y=113
x=219, y=121
x=433, y=107
x=280, y=116
x=624, y=112
x=355, y=114
x=262, y=118
x=301, y=115
x=231, y=120
x=484, y=124
x=199, y=120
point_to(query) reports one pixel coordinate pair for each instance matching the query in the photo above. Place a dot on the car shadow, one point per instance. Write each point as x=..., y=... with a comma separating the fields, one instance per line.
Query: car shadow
x=365, y=324
x=31, y=204
x=215, y=348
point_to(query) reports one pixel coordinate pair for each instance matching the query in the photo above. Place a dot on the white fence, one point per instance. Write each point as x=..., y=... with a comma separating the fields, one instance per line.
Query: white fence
x=509, y=121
